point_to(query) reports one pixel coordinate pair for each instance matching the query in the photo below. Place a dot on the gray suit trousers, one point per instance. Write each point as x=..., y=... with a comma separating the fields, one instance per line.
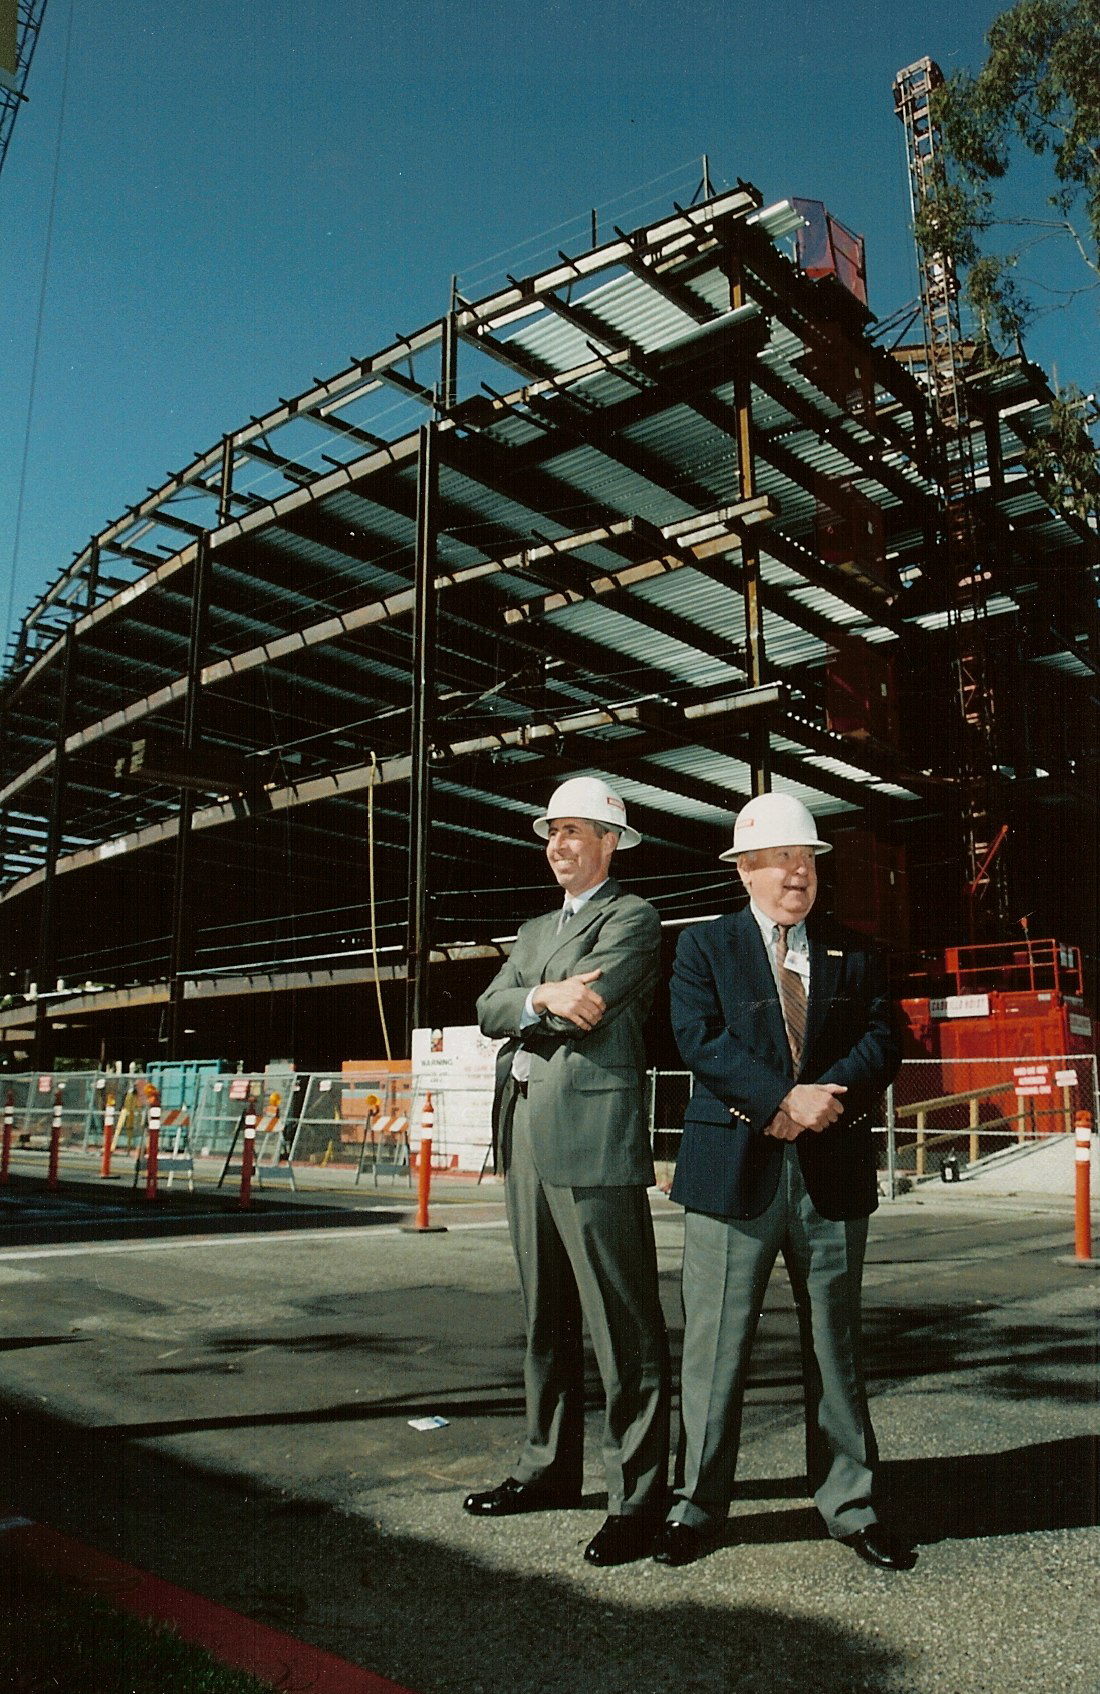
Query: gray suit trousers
x=727, y=1264
x=589, y=1251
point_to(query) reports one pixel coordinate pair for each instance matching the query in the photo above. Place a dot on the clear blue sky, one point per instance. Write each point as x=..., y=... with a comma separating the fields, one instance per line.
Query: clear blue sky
x=247, y=195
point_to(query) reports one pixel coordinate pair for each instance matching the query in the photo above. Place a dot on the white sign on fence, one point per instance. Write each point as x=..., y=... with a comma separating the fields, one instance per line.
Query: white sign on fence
x=457, y=1066
x=1032, y=1079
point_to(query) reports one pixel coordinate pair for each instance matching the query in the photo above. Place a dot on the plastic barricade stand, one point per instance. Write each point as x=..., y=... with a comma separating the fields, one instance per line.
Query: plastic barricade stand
x=129, y=1119
x=270, y=1163
x=178, y=1159
x=385, y=1144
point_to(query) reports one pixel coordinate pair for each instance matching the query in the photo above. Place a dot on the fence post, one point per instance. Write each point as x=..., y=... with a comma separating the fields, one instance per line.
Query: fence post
x=921, y=1119
x=975, y=1119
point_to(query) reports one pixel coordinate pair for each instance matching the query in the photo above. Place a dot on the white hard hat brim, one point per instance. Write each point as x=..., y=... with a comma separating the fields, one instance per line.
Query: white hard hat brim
x=628, y=837
x=732, y=854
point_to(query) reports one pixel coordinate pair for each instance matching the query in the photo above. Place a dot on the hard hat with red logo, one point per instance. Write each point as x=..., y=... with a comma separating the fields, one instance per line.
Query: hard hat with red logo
x=774, y=820
x=588, y=797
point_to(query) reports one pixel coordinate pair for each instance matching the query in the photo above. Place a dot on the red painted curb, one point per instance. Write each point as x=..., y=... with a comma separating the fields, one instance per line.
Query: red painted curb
x=233, y=1639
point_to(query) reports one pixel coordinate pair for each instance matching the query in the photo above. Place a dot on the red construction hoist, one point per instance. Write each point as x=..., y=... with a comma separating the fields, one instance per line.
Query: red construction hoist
x=967, y=575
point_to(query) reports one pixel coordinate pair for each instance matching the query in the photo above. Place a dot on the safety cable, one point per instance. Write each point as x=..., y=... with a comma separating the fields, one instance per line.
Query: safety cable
x=373, y=907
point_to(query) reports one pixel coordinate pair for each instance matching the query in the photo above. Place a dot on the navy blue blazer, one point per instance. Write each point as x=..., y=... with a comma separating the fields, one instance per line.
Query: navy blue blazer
x=729, y=1028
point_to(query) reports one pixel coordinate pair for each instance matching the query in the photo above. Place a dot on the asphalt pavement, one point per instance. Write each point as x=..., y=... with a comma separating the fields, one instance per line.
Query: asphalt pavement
x=228, y=1400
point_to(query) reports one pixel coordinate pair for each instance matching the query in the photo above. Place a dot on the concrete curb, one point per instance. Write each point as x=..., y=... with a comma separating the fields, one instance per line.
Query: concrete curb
x=234, y=1640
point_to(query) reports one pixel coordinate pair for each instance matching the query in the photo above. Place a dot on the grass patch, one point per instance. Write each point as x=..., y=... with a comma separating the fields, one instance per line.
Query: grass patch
x=59, y=1640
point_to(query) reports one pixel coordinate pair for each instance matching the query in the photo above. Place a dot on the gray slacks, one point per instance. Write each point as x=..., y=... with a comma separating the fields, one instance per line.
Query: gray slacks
x=589, y=1251
x=727, y=1264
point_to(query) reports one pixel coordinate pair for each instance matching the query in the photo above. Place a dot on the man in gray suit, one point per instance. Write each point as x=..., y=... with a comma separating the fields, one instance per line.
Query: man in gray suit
x=570, y=1135
x=785, y=1020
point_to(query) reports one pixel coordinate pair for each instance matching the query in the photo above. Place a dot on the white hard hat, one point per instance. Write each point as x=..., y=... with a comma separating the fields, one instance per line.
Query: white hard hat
x=588, y=797
x=774, y=820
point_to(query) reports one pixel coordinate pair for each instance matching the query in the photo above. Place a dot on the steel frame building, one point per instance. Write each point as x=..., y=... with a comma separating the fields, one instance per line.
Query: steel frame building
x=665, y=511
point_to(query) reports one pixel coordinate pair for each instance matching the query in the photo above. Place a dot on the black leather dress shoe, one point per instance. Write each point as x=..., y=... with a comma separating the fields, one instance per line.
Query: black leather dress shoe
x=878, y=1547
x=512, y=1496
x=680, y=1544
x=621, y=1540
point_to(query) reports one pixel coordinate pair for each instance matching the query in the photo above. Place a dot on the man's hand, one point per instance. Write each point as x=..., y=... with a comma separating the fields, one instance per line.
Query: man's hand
x=783, y=1127
x=813, y=1105
x=571, y=999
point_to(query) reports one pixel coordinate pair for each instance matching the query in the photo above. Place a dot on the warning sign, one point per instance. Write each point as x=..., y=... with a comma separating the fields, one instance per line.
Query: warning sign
x=1032, y=1079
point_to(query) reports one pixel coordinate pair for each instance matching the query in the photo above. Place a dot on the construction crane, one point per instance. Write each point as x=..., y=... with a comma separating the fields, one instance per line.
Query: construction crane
x=967, y=577
x=20, y=27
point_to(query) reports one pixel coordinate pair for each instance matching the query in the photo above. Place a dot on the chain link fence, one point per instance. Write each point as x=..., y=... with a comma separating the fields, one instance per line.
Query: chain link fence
x=941, y=1117
x=946, y=1116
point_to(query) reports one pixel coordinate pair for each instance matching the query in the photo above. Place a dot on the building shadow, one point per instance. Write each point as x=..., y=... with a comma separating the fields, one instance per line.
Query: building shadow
x=416, y=1608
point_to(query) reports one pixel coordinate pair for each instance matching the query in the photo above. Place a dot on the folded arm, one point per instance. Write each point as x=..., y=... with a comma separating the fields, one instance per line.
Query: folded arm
x=620, y=965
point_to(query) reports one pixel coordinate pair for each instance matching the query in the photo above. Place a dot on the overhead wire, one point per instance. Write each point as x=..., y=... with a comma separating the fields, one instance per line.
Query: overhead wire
x=21, y=495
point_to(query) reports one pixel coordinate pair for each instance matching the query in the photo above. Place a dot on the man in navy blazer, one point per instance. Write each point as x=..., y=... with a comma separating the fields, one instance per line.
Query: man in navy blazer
x=786, y=1025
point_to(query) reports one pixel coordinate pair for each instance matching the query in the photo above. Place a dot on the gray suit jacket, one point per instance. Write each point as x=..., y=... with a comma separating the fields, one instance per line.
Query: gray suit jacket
x=586, y=1091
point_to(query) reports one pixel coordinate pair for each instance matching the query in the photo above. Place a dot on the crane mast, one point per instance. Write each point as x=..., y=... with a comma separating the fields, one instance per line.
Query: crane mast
x=20, y=26
x=967, y=578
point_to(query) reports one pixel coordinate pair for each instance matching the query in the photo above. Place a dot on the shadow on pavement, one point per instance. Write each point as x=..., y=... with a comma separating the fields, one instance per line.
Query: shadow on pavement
x=33, y=1215
x=428, y=1615
x=1051, y=1485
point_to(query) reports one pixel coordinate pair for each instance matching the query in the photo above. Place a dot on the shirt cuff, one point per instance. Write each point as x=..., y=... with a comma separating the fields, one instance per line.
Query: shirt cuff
x=528, y=1016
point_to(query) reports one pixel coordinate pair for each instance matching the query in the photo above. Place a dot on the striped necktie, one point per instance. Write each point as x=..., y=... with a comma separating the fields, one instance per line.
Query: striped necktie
x=792, y=996
x=567, y=912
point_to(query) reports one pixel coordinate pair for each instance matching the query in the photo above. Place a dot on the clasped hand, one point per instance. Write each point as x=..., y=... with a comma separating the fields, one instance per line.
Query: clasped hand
x=572, y=999
x=809, y=1105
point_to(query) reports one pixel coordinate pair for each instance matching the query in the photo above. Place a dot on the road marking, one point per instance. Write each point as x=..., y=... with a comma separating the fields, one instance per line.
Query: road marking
x=164, y=1243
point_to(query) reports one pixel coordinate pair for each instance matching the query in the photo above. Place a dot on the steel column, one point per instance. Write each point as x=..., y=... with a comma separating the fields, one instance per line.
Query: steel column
x=225, y=490
x=46, y=969
x=448, y=353
x=755, y=660
x=418, y=942
x=183, y=917
x=93, y=575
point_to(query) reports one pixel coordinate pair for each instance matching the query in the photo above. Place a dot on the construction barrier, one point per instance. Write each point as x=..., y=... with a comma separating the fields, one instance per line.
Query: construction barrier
x=244, y=1199
x=108, y=1136
x=1082, y=1247
x=9, y=1129
x=941, y=1120
x=152, y=1144
x=424, y=1176
x=52, y=1176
